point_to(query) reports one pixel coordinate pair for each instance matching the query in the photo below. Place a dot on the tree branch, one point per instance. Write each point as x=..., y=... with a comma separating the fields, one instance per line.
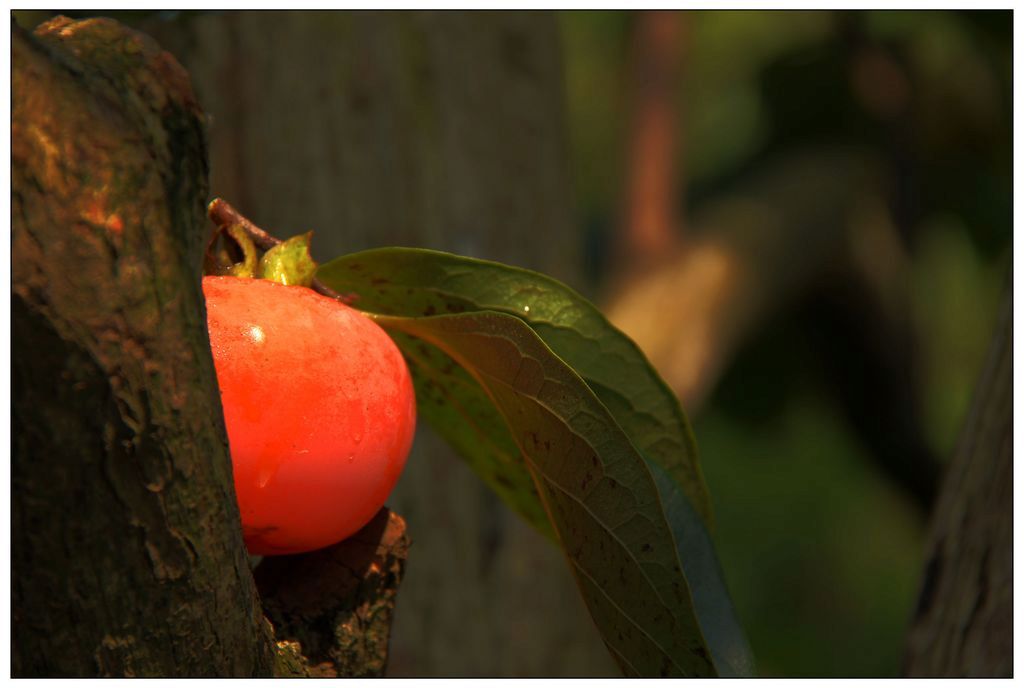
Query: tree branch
x=332, y=609
x=653, y=210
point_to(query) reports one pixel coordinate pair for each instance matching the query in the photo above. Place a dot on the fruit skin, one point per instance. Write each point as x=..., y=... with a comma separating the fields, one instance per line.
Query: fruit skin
x=319, y=407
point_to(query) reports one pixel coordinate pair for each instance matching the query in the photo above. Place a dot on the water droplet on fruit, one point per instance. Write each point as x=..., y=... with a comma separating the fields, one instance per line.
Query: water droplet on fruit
x=351, y=458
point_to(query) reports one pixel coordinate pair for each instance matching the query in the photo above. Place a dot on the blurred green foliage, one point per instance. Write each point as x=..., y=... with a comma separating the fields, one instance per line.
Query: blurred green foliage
x=822, y=552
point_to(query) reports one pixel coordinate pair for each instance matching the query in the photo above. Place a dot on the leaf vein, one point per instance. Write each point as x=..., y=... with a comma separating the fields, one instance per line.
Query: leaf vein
x=579, y=567
x=583, y=504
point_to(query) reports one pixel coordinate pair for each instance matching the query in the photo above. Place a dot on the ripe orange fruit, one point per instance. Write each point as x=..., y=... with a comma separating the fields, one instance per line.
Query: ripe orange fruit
x=319, y=407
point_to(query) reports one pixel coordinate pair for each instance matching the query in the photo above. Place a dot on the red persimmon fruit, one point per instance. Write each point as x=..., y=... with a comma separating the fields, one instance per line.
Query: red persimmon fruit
x=319, y=407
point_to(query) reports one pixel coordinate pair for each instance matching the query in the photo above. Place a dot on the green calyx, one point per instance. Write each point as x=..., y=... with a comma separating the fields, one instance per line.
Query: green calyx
x=232, y=252
x=289, y=262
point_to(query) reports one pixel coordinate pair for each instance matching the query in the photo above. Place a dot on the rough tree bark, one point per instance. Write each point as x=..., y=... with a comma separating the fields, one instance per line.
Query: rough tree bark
x=122, y=561
x=963, y=625
x=127, y=555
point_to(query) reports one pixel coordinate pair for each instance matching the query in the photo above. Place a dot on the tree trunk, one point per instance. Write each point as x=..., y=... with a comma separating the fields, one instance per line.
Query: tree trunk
x=963, y=625
x=126, y=555
x=442, y=130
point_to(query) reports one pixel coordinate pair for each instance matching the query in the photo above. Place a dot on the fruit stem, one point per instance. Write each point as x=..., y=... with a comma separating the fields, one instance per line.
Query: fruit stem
x=224, y=214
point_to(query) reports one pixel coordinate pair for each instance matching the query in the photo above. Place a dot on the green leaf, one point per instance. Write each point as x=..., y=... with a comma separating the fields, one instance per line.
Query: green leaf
x=419, y=282
x=715, y=612
x=596, y=488
x=289, y=262
x=453, y=403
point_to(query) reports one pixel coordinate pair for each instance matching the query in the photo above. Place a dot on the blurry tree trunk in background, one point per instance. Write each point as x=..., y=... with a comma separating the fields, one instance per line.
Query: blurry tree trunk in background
x=124, y=560
x=653, y=210
x=442, y=130
x=963, y=625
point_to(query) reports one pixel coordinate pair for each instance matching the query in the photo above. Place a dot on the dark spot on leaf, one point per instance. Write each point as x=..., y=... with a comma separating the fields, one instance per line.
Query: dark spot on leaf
x=456, y=308
x=379, y=280
x=646, y=547
x=408, y=291
x=703, y=654
x=593, y=459
x=429, y=310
